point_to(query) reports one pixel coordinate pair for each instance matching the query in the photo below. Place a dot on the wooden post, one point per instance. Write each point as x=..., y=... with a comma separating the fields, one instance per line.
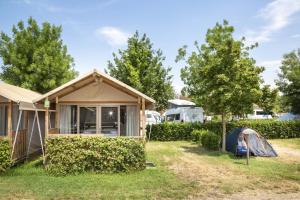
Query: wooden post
x=9, y=122
x=143, y=119
x=46, y=123
x=248, y=151
x=57, y=115
x=140, y=116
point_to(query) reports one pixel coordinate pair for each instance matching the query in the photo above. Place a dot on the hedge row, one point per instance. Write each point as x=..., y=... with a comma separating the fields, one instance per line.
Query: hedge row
x=271, y=129
x=73, y=155
x=5, y=160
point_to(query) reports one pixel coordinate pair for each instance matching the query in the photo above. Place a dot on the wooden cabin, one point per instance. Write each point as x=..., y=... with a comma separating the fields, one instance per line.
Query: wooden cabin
x=16, y=114
x=95, y=104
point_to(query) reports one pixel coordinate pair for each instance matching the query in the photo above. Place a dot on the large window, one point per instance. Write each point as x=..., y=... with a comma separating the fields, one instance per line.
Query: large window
x=109, y=121
x=3, y=120
x=88, y=117
x=68, y=119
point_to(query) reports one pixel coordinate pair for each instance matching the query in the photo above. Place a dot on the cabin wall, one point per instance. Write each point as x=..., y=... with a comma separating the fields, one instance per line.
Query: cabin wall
x=101, y=92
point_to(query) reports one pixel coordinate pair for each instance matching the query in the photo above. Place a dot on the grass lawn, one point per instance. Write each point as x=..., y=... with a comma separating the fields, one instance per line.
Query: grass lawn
x=184, y=170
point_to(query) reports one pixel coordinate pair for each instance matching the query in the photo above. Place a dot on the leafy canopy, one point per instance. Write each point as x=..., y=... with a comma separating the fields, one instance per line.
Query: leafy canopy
x=141, y=67
x=269, y=99
x=289, y=80
x=35, y=57
x=220, y=75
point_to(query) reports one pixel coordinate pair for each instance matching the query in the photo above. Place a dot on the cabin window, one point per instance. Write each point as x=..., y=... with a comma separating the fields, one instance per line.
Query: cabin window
x=3, y=120
x=68, y=119
x=177, y=117
x=51, y=120
x=109, y=121
x=88, y=120
x=15, y=117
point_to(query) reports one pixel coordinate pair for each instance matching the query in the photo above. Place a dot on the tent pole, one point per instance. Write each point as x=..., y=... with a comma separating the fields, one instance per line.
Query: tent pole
x=33, y=124
x=16, y=134
x=41, y=139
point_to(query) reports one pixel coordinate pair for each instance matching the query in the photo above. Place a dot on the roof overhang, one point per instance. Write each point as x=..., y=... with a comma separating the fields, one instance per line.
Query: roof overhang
x=89, y=78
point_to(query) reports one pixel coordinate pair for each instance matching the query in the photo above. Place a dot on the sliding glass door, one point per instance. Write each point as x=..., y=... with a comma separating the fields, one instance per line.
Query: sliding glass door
x=88, y=119
x=110, y=120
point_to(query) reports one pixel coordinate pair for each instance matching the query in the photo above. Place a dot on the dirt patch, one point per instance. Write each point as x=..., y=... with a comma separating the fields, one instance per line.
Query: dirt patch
x=286, y=154
x=221, y=181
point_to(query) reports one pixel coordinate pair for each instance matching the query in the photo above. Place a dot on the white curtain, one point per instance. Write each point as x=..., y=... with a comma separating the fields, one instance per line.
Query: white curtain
x=132, y=121
x=65, y=119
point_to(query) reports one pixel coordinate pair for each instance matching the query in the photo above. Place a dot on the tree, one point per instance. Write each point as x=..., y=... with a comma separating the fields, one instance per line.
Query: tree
x=269, y=99
x=141, y=67
x=289, y=80
x=220, y=76
x=35, y=57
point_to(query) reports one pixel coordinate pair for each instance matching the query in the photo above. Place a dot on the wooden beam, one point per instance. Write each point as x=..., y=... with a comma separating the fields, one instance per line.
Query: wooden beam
x=57, y=115
x=9, y=122
x=143, y=119
x=97, y=102
x=46, y=122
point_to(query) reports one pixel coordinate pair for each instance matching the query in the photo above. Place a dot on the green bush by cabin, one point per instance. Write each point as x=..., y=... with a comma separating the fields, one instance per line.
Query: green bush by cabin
x=74, y=155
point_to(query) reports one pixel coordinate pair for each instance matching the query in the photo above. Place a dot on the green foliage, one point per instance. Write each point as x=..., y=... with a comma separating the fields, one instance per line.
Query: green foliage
x=141, y=67
x=289, y=80
x=271, y=129
x=73, y=155
x=269, y=99
x=5, y=154
x=220, y=75
x=197, y=134
x=210, y=140
x=35, y=57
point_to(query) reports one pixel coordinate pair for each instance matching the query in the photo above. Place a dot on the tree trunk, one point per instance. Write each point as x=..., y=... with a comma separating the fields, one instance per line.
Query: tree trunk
x=224, y=132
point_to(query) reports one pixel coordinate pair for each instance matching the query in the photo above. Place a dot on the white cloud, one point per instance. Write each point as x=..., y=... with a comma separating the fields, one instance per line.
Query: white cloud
x=277, y=15
x=295, y=36
x=270, y=63
x=271, y=71
x=114, y=36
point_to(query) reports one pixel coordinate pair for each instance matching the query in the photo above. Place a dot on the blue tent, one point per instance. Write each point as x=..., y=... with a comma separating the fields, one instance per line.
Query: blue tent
x=258, y=146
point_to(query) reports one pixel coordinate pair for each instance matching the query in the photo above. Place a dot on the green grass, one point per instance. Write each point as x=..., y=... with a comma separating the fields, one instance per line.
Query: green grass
x=32, y=182
x=290, y=143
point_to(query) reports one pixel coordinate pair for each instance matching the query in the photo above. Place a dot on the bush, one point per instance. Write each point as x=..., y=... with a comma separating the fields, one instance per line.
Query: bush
x=73, y=155
x=270, y=129
x=197, y=134
x=5, y=154
x=210, y=140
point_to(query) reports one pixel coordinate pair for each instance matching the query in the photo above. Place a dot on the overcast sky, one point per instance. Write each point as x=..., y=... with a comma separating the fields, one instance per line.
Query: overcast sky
x=93, y=30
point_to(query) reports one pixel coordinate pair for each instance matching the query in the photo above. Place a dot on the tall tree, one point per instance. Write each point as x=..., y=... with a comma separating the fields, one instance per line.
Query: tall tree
x=289, y=80
x=35, y=57
x=141, y=67
x=269, y=99
x=220, y=75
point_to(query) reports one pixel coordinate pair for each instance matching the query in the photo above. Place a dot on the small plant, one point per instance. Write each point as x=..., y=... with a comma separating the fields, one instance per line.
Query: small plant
x=5, y=154
x=210, y=140
x=197, y=135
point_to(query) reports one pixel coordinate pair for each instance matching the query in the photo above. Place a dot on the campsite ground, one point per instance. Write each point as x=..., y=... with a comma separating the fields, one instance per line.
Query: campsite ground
x=184, y=171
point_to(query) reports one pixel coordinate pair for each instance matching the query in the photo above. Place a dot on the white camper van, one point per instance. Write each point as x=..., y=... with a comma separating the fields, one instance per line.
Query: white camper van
x=184, y=114
x=152, y=117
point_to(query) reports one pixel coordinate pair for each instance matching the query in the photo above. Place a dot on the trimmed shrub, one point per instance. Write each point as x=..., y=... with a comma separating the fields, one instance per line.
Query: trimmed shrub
x=5, y=154
x=210, y=140
x=270, y=129
x=197, y=135
x=73, y=155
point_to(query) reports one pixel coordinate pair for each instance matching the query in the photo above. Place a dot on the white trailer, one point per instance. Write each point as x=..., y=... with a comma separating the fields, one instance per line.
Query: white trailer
x=185, y=114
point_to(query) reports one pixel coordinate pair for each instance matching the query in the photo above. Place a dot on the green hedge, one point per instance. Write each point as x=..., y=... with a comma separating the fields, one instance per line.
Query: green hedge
x=73, y=155
x=5, y=154
x=270, y=129
x=210, y=140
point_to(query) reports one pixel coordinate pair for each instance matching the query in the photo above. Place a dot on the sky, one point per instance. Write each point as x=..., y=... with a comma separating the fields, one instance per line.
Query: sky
x=94, y=29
